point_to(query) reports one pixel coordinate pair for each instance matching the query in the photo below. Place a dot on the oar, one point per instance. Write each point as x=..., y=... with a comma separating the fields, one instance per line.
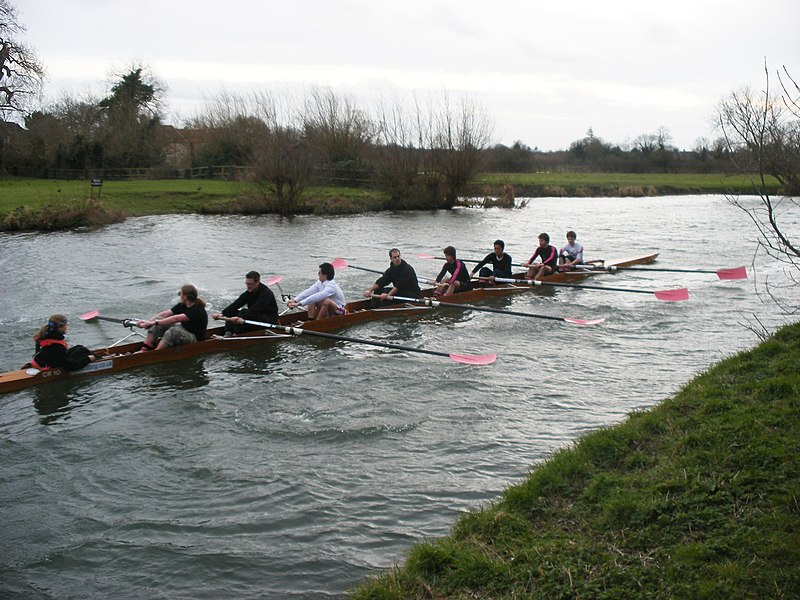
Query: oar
x=467, y=359
x=675, y=295
x=341, y=263
x=95, y=314
x=275, y=280
x=733, y=273
x=436, y=303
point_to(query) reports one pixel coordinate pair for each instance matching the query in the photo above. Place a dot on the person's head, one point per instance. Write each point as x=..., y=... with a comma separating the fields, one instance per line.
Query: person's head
x=571, y=237
x=544, y=239
x=394, y=256
x=326, y=270
x=252, y=280
x=56, y=324
x=499, y=246
x=190, y=294
x=449, y=253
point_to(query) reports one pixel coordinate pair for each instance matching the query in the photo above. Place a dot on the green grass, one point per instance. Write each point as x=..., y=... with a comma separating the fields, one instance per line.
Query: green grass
x=133, y=197
x=37, y=203
x=696, y=498
x=663, y=182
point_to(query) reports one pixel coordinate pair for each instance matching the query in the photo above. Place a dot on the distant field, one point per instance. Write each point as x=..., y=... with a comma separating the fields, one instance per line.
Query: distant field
x=664, y=183
x=134, y=197
x=194, y=195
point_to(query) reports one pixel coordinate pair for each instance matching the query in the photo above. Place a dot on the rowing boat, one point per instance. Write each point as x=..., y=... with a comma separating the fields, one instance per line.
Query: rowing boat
x=126, y=356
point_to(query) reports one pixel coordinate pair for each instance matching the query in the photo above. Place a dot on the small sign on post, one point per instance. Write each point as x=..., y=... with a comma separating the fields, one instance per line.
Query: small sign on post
x=96, y=183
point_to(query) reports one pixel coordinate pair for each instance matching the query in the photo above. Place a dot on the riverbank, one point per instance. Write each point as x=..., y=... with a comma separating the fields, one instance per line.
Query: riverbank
x=698, y=497
x=39, y=204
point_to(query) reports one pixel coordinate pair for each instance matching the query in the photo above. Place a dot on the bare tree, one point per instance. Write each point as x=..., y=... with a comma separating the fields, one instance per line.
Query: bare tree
x=281, y=155
x=340, y=134
x=398, y=155
x=263, y=132
x=457, y=137
x=21, y=73
x=762, y=134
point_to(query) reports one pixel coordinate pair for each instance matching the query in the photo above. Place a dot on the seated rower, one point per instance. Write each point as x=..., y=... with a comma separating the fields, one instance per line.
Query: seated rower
x=500, y=261
x=459, y=277
x=323, y=299
x=184, y=323
x=260, y=303
x=570, y=255
x=401, y=275
x=52, y=350
x=549, y=256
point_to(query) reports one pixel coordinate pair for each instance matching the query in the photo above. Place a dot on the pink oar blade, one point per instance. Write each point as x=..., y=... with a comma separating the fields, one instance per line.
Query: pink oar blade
x=274, y=279
x=672, y=295
x=425, y=256
x=92, y=314
x=584, y=321
x=472, y=359
x=339, y=263
x=735, y=273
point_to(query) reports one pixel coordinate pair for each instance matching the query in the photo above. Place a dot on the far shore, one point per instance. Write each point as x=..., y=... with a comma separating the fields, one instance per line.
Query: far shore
x=46, y=204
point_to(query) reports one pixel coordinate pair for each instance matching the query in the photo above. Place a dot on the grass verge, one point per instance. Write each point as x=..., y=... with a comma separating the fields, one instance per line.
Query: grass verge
x=697, y=498
x=36, y=203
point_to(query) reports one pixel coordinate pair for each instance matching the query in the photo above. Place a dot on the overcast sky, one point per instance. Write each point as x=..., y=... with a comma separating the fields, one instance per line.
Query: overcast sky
x=544, y=71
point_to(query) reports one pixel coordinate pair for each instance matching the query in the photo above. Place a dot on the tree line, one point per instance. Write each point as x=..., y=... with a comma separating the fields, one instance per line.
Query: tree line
x=420, y=151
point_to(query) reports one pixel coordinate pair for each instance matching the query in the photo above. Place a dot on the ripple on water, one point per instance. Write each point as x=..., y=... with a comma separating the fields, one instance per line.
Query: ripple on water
x=296, y=468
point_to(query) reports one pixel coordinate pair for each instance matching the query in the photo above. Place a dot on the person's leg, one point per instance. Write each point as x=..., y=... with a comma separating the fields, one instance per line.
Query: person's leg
x=327, y=308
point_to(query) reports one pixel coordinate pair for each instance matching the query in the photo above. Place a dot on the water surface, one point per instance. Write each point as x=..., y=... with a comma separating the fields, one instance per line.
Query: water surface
x=298, y=468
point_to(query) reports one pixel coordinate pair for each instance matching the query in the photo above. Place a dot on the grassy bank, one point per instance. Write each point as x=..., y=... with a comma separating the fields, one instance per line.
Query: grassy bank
x=696, y=498
x=536, y=185
x=56, y=204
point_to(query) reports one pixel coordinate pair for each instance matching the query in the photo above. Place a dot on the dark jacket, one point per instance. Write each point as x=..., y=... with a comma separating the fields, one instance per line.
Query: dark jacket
x=403, y=277
x=52, y=352
x=261, y=305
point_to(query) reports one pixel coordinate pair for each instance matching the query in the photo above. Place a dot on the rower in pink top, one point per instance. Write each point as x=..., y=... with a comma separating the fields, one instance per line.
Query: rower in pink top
x=549, y=257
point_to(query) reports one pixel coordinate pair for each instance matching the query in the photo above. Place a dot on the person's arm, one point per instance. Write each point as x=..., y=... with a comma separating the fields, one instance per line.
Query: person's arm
x=234, y=306
x=485, y=260
x=442, y=273
x=321, y=291
x=380, y=282
x=148, y=323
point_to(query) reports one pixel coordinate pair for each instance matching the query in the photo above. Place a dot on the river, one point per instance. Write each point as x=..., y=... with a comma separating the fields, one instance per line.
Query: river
x=294, y=470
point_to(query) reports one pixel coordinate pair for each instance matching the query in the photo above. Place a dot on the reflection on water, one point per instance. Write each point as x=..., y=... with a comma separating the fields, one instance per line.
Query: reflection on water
x=295, y=468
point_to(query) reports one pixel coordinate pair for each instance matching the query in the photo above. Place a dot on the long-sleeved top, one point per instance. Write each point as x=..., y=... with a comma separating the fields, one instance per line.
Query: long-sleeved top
x=321, y=290
x=403, y=277
x=261, y=305
x=458, y=272
x=548, y=254
x=501, y=267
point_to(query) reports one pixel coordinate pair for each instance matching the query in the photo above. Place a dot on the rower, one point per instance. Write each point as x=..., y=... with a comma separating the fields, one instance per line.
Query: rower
x=260, y=303
x=459, y=277
x=400, y=274
x=324, y=298
x=548, y=255
x=500, y=261
x=570, y=255
x=184, y=323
